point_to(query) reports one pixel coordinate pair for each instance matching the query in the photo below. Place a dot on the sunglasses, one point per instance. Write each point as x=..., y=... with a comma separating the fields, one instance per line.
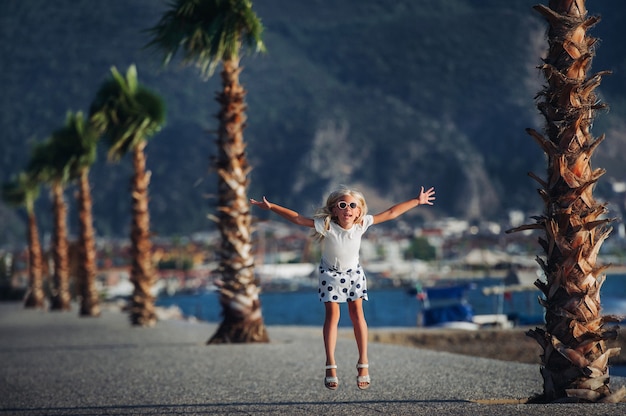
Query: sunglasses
x=344, y=205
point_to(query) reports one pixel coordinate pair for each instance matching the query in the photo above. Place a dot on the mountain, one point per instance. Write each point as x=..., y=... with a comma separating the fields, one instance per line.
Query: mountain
x=385, y=96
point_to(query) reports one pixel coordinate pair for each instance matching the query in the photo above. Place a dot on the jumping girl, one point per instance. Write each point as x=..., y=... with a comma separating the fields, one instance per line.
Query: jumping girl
x=339, y=226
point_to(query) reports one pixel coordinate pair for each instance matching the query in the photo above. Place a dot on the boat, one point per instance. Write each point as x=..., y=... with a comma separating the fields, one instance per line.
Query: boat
x=516, y=280
x=446, y=307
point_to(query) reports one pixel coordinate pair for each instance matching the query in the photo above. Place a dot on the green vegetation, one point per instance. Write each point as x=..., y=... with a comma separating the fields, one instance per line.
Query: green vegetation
x=420, y=249
x=385, y=94
x=128, y=114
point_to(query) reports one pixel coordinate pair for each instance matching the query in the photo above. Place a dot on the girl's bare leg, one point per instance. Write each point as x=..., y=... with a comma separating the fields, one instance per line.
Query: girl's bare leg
x=360, y=332
x=331, y=321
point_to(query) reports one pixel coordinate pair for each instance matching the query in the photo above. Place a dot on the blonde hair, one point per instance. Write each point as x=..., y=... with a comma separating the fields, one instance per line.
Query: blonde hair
x=325, y=212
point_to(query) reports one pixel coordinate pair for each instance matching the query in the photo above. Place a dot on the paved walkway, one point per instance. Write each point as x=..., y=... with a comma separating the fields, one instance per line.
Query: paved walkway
x=59, y=364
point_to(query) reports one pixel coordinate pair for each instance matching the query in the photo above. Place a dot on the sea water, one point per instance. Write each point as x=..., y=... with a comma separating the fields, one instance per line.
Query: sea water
x=392, y=307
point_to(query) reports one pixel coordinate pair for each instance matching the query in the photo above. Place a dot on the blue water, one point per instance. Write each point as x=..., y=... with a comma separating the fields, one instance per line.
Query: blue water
x=389, y=307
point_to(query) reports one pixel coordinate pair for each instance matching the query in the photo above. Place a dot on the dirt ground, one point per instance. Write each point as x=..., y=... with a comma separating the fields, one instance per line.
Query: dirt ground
x=500, y=344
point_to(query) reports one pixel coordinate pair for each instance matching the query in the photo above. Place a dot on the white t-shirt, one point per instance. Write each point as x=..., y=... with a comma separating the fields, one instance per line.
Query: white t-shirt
x=340, y=248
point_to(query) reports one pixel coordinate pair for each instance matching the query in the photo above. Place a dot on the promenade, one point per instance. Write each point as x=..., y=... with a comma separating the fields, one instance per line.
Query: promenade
x=55, y=363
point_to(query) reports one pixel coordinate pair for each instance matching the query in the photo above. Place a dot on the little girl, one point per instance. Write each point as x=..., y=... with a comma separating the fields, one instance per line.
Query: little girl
x=339, y=226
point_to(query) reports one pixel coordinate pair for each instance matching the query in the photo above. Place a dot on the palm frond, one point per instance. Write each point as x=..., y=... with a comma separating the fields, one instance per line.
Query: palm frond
x=126, y=113
x=208, y=32
x=48, y=163
x=20, y=190
x=77, y=140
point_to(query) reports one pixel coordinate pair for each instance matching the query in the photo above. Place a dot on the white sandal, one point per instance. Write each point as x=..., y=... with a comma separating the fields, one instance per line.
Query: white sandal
x=328, y=380
x=363, y=379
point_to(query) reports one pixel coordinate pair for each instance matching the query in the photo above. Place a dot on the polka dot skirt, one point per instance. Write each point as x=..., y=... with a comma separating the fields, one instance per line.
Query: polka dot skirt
x=345, y=286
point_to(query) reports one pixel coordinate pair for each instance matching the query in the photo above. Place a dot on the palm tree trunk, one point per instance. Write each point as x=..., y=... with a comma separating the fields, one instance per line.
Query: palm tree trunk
x=239, y=293
x=35, y=298
x=142, y=272
x=89, y=305
x=575, y=355
x=60, y=299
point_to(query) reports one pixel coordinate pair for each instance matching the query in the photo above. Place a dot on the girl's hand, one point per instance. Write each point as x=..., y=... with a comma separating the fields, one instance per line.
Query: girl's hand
x=426, y=198
x=265, y=204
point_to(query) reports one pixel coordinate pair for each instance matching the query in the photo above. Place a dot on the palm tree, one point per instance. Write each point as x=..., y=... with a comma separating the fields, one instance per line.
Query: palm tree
x=575, y=355
x=49, y=164
x=128, y=114
x=23, y=191
x=210, y=32
x=80, y=140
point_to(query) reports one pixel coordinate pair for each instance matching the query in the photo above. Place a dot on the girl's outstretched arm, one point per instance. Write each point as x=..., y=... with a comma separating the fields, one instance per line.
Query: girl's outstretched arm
x=286, y=213
x=424, y=198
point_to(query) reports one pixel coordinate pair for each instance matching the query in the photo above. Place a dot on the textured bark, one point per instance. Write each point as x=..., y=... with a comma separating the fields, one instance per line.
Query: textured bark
x=35, y=297
x=142, y=311
x=60, y=297
x=239, y=293
x=89, y=302
x=575, y=355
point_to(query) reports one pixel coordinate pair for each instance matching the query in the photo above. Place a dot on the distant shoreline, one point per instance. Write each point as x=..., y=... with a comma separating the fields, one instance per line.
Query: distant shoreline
x=500, y=273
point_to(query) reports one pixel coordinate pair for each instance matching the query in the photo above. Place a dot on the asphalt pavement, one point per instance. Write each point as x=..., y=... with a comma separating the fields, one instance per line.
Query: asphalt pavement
x=57, y=363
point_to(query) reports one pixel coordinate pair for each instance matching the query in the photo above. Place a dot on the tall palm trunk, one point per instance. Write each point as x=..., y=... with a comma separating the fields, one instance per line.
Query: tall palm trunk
x=89, y=305
x=142, y=271
x=239, y=294
x=575, y=354
x=35, y=298
x=60, y=299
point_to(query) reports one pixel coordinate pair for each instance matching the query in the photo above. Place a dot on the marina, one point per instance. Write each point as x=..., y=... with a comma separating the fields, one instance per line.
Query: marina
x=394, y=306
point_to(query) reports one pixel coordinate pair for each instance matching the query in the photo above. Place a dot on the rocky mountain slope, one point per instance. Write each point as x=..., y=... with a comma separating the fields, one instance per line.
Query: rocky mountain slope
x=385, y=96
